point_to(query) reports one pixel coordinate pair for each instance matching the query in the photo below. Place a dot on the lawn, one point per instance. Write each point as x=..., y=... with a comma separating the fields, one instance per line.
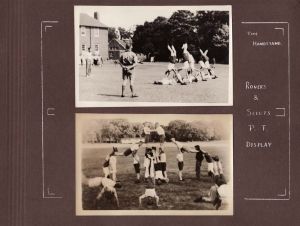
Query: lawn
x=105, y=82
x=175, y=195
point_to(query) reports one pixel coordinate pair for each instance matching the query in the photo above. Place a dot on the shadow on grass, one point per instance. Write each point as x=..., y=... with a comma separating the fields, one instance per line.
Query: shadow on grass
x=109, y=95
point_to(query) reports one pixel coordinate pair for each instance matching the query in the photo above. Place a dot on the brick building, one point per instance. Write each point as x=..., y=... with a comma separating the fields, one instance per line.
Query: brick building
x=93, y=34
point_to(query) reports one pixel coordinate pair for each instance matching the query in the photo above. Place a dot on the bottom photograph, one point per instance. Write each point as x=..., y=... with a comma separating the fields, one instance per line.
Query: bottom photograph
x=154, y=164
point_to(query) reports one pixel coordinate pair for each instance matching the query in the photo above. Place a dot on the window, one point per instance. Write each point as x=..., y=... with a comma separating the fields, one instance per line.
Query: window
x=83, y=47
x=96, y=32
x=82, y=31
x=97, y=47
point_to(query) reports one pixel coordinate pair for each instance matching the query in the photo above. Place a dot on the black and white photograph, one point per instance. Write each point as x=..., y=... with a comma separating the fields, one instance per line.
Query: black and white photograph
x=146, y=164
x=128, y=56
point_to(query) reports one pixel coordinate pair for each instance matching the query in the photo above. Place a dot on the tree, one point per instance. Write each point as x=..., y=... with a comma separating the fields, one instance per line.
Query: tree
x=111, y=33
x=205, y=30
x=125, y=34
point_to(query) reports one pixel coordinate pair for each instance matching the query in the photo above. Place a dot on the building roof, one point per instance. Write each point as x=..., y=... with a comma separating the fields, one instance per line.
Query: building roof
x=122, y=43
x=88, y=21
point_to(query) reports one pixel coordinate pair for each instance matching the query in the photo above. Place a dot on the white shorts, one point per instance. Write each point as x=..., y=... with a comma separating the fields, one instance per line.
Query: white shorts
x=150, y=192
x=205, y=65
x=186, y=65
x=158, y=175
x=171, y=66
x=210, y=167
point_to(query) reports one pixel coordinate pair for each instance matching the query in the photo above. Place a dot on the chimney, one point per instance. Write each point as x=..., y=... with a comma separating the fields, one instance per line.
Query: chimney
x=96, y=15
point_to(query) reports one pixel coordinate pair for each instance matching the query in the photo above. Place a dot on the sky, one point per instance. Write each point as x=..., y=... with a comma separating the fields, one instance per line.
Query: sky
x=129, y=16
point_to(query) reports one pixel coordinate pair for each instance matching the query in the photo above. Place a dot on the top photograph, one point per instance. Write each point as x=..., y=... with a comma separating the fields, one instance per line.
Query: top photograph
x=134, y=56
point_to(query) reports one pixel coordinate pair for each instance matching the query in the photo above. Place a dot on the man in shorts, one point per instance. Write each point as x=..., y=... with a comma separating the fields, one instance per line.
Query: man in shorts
x=128, y=60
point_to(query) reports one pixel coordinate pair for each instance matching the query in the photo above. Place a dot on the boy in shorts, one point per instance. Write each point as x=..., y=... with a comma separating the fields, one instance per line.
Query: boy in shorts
x=204, y=64
x=161, y=133
x=128, y=60
x=110, y=165
x=217, y=168
x=108, y=186
x=218, y=192
x=157, y=167
x=185, y=54
x=149, y=164
x=182, y=149
x=150, y=193
x=172, y=61
x=163, y=162
x=136, y=165
x=210, y=165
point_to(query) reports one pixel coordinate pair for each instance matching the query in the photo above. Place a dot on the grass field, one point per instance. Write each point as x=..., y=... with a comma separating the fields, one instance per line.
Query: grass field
x=105, y=82
x=175, y=195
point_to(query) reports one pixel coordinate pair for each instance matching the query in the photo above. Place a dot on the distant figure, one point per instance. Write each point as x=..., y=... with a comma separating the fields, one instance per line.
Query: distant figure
x=128, y=61
x=100, y=60
x=117, y=33
x=88, y=61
